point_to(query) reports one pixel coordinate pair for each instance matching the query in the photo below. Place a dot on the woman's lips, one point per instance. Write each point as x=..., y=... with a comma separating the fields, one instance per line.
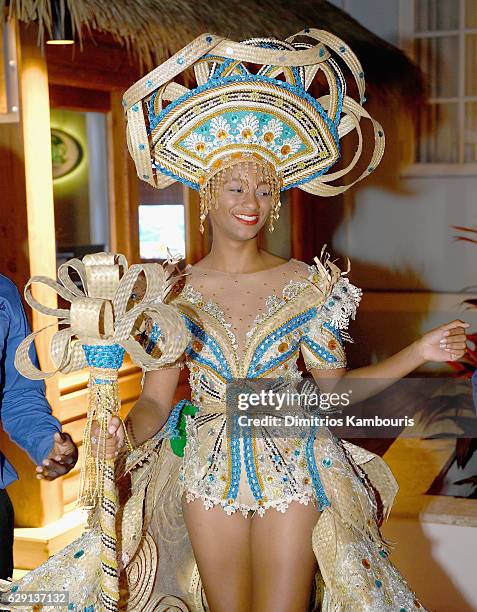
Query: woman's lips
x=247, y=219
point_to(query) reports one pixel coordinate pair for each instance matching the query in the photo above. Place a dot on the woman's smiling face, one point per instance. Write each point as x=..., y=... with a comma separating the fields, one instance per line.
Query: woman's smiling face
x=243, y=203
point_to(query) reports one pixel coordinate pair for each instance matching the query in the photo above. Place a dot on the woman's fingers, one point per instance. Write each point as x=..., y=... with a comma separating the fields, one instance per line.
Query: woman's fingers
x=110, y=443
x=456, y=340
x=114, y=425
x=454, y=324
x=458, y=343
x=455, y=333
x=453, y=336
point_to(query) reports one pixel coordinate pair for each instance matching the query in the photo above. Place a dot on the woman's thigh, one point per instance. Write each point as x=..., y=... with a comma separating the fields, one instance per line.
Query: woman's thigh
x=283, y=562
x=221, y=545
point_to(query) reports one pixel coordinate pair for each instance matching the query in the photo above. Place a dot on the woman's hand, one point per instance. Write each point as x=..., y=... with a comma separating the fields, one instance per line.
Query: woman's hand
x=114, y=438
x=445, y=343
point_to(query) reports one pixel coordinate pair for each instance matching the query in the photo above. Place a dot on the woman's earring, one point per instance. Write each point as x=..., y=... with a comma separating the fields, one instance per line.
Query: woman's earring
x=202, y=218
x=204, y=208
x=274, y=215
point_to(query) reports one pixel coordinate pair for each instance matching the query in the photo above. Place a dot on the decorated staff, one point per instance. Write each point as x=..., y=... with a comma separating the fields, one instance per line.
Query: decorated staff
x=97, y=329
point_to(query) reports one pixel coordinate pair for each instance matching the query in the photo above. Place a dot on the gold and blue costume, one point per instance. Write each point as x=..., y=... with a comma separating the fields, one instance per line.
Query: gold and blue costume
x=307, y=312
x=252, y=102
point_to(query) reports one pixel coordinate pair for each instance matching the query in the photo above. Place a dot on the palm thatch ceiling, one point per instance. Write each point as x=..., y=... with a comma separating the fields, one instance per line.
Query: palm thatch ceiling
x=153, y=29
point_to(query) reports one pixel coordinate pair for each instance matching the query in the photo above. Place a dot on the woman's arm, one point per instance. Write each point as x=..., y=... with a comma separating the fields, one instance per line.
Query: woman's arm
x=146, y=417
x=445, y=343
x=150, y=413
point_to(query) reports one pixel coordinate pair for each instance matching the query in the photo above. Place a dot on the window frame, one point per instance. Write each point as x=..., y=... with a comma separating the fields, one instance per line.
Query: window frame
x=407, y=36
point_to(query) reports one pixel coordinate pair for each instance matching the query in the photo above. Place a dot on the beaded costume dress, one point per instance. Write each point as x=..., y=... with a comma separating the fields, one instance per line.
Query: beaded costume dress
x=282, y=106
x=298, y=308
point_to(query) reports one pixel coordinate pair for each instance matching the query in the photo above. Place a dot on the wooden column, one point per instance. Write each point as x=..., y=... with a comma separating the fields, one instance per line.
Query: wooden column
x=123, y=182
x=197, y=244
x=36, y=502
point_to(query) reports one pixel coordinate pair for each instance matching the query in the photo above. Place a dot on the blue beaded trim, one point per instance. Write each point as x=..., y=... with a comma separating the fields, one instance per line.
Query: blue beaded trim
x=225, y=64
x=318, y=350
x=323, y=500
x=154, y=120
x=234, y=451
x=212, y=83
x=262, y=348
x=221, y=367
x=175, y=176
x=276, y=361
x=150, y=107
x=171, y=429
x=99, y=356
x=153, y=338
x=297, y=75
x=335, y=331
x=249, y=461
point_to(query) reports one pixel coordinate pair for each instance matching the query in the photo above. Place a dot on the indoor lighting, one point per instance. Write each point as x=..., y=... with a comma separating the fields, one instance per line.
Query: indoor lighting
x=61, y=27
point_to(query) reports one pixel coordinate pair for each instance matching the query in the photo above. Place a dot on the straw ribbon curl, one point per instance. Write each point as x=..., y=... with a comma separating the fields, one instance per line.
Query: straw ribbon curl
x=97, y=330
x=99, y=315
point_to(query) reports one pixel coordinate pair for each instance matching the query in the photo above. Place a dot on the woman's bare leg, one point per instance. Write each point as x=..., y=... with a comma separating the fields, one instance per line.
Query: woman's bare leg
x=283, y=562
x=221, y=546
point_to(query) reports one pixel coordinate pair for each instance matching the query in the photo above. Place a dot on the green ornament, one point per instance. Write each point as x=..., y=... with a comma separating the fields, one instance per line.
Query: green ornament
x=178, y=443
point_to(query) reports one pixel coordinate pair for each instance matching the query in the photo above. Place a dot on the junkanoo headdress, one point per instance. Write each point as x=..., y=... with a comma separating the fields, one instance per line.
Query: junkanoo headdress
x=251, y=102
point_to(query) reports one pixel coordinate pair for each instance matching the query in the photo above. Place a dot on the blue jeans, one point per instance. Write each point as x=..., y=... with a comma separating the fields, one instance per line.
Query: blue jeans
x=6, y=535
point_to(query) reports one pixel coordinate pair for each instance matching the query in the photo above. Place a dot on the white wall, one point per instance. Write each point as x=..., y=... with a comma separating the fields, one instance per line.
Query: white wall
x=399, y=237
x=404, y=223
x=398, y=230
x=411, y=235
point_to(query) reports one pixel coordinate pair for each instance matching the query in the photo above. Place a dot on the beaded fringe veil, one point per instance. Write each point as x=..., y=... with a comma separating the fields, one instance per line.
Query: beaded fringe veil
x=238, y=168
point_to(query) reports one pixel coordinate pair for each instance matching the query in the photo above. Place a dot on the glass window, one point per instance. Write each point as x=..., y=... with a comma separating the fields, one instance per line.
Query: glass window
x=444, y=44
x=161, y=227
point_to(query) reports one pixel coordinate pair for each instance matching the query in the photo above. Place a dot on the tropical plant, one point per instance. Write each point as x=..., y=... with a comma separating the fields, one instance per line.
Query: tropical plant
x=455, y=398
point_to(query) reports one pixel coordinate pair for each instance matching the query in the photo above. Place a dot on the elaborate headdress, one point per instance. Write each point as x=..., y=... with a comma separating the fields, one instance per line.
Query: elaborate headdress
x=251, y=102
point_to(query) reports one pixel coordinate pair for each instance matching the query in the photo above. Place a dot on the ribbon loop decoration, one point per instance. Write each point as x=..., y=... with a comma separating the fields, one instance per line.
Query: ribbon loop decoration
x=97, y=330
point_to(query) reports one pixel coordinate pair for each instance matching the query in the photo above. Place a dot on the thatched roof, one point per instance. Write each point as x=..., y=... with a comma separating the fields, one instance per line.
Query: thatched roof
x=153, y=29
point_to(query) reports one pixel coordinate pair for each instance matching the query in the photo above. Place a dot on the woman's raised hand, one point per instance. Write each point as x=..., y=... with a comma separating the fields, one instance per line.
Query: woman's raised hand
x=114, y=438
x=444, y=343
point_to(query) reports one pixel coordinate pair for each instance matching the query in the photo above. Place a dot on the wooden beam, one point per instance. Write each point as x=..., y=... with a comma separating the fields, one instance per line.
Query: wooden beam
x=79, y=99
x=97, y=63
x=124, y=189
x=197, y=244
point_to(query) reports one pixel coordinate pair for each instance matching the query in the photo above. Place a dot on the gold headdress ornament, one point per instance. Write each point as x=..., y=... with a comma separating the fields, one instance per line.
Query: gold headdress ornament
x=237, y=112
x=99, y=327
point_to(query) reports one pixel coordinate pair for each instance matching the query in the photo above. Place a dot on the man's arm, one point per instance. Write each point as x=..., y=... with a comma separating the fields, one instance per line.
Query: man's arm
x=24, y=411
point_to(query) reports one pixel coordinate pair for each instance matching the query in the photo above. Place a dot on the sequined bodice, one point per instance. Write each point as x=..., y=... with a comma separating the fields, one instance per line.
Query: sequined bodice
x=253, y=326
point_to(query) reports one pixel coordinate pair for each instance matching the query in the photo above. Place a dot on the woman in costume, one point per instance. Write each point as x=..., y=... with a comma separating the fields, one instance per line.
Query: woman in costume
x=213, y=517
